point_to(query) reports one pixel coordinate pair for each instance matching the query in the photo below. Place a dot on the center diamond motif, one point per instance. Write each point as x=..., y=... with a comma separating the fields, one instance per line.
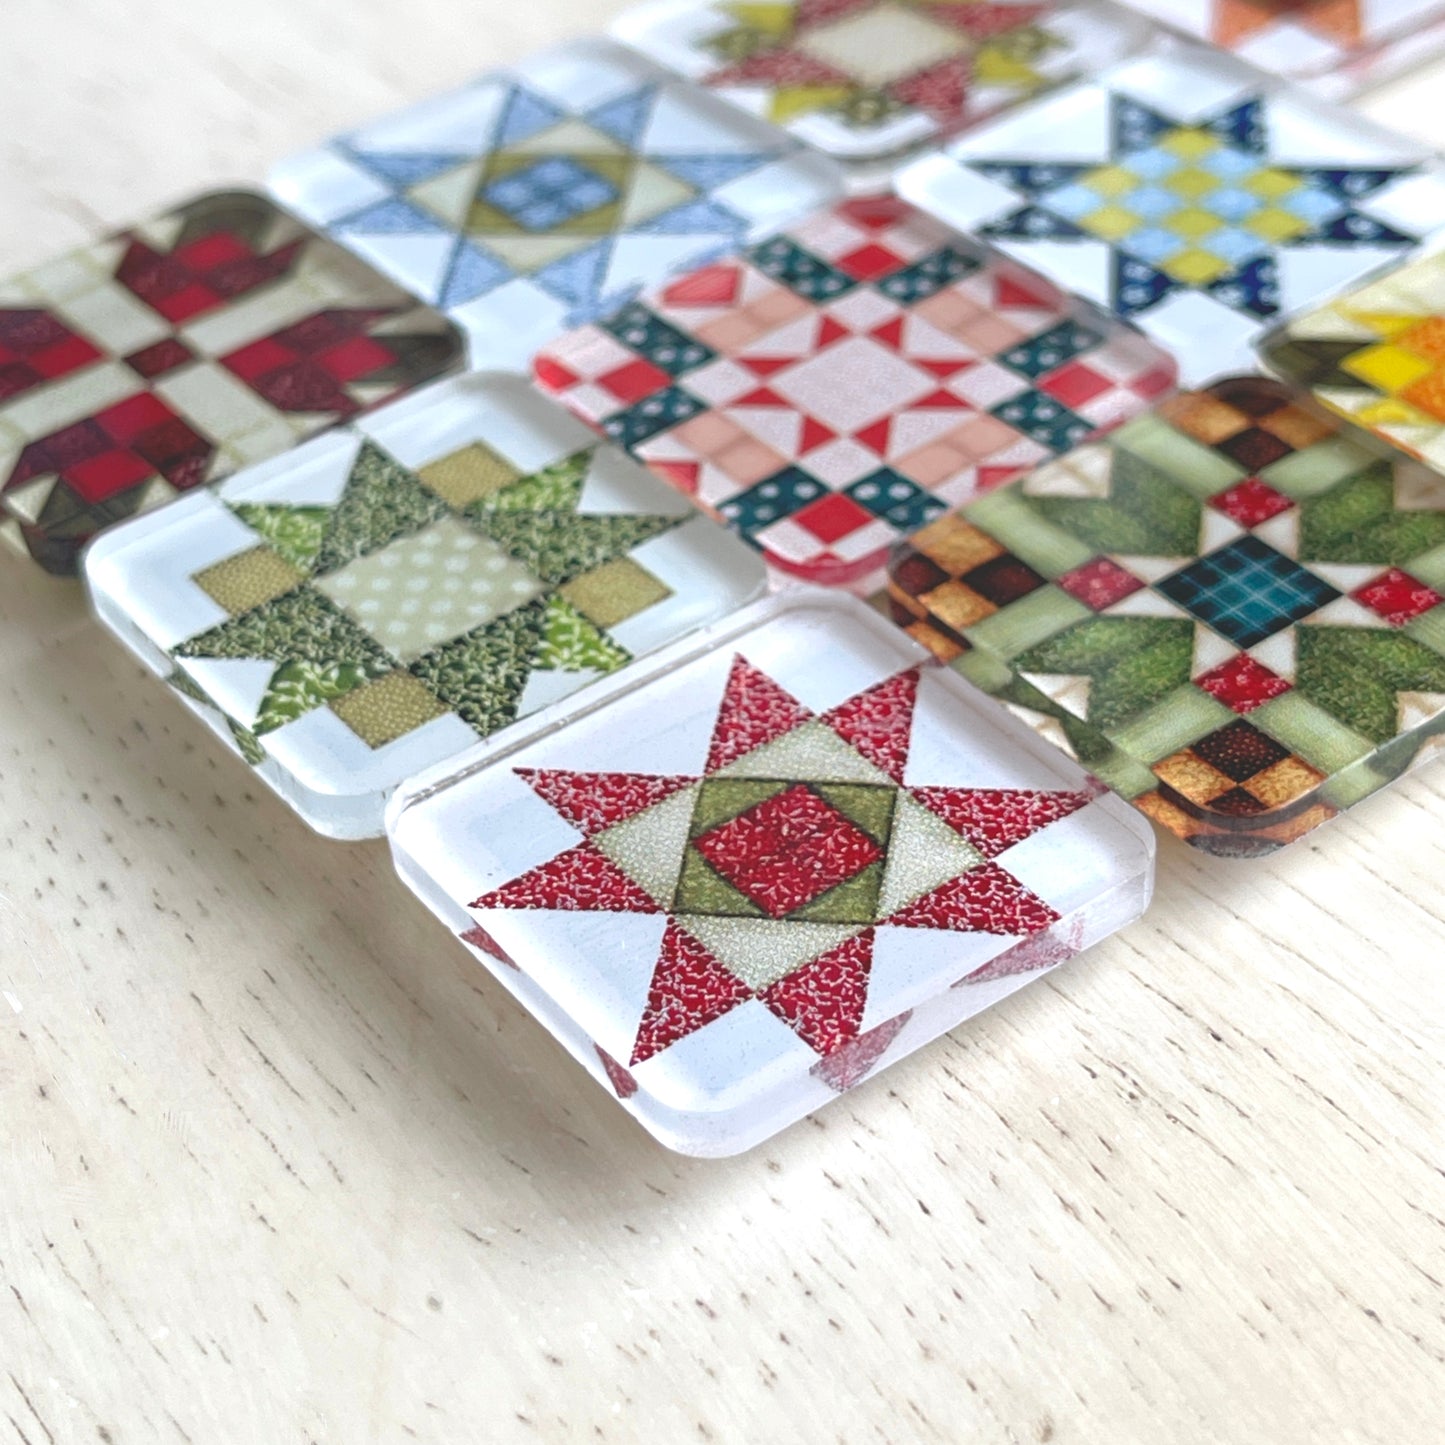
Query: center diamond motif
x=549, y=193
x=785, y=852
x=883, y=44
x=1247, y=591
x=1194, y=207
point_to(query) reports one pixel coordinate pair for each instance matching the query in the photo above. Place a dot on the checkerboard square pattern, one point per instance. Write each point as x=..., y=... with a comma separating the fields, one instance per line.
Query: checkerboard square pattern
x=1185, y=193
x=170, y=355
x=539, y=197
x=382, y=597
x=848, y=380
x=867, y=79
x=1228, y=609
x=1376, y=356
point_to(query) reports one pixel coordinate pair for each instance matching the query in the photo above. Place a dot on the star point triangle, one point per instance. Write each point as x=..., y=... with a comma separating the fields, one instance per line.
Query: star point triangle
x=754, y=710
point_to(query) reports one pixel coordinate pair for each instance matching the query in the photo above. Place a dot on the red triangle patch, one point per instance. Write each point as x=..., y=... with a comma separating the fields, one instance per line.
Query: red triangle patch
x=766, y=365
x=814, y=434
x=944, y=369
x=689, y=989
x=877, y=436
x=829, y=331
x=581, y=880
x=479, y=938
x=823, y=1001
x=762, y=396
x=623, y=1084
x=943, y=399
x=594, y=801
x=710, y=286
x=993, y=819
x=879, y=722
x=754, y=711
x=875, y=212
x=1007, y=291
x=854, y=1061
x=986, y=899
x=682, y=475
x=890, y=333
x=552, y=375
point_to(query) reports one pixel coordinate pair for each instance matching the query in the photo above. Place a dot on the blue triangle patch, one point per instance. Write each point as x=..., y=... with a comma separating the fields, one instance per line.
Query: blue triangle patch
x=577, y=278
x=1134, y=127
x=708, y=172
x=524, y=115
x=1242, y=127
x=405, y=168
x=391, y=217
x=472, y=272
x=1253, y=289
x=1030, y=179
x=1138, y=287
x=625, y=118
x=1033, y=223
x=1349, y=184
x=693, y=217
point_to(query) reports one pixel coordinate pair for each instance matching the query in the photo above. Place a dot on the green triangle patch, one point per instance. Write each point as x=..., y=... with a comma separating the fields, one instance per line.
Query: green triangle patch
x=481, y=676
x=297, y=688
x=296, y=533
x=382, y=501
x=570, y=643
x=300, y=626
x=558, y=546
x=557, y=488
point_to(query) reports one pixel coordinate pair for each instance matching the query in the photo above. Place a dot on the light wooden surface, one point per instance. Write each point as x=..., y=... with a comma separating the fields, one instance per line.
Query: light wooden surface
x=278, y=1162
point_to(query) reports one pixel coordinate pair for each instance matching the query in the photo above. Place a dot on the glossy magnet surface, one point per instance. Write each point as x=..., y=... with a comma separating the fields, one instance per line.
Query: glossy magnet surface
x=379, y=599
x=868, y=79
x=538, y=197
x=846, y=381
x=779, y=863
x=1228, y=609
x=1191, y=195
x=171, y=355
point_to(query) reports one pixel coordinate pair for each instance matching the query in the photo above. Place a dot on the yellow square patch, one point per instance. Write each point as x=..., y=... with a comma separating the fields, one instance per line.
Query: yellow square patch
x=957, y=606
x=1274, y=224
x=380, y=712
x=468, y=475
x=956, y=545
x=248, y=579
x=1270, y=185
x=615, y=591
x=1192, y=224
x=1387, y=368
x=1195, y=267
x=1112, y=181
x=1189, y=144
x=1191, y=184
x=1113, y=223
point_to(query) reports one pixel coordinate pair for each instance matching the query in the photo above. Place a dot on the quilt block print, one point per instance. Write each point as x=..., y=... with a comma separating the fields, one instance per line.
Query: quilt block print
x=844, y=382
x=1183, y=193
x=748, y=893
x=389, y=594
x=538, y=197
x=1306, y=40
x=1376, y=356
x=865, y=79
x=173, y=354
x=1229, y=610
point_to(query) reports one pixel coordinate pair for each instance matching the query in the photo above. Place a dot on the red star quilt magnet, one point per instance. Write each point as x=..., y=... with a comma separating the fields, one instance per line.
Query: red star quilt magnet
x=214, y=336
x=773, y=865
x=846, y=381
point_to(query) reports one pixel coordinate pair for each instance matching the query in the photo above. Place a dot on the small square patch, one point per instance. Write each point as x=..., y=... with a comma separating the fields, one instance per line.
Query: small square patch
x=615, y=591
x=248, y=579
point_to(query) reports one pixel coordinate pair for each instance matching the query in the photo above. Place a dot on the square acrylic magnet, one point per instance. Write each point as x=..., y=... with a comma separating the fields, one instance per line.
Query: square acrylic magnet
x=1190, y=194
x=778, y=862
x=847, y=380
x=1332, y=46
x=541, y=196
x=1376, y=356
x=379, y=599
x=867, y=79
x=1229, y=610
x=172, y=354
